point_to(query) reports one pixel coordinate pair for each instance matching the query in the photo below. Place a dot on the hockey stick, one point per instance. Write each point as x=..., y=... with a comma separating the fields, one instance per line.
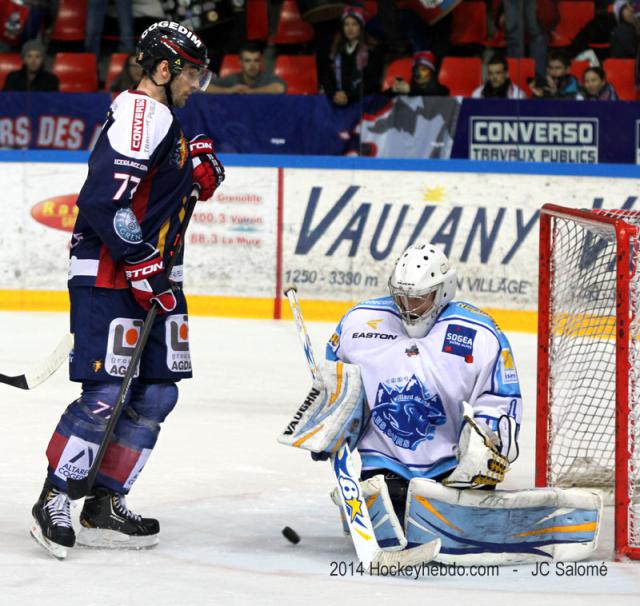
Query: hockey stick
x=76, y=489
x=42, y=371
x=372, y=557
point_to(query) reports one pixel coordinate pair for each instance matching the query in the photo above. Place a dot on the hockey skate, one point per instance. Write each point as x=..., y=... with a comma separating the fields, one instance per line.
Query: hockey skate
x=107, y=522
x=52, y=528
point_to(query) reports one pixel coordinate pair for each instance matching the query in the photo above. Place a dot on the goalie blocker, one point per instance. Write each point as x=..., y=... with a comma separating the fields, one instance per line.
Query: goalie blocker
x=334, y=411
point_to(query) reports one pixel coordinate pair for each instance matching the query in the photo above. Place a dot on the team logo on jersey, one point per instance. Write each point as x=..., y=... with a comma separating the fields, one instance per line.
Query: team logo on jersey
x=412, y=351
x=458, y=340
x=407, y=413
x=126, y=226
x=334, y=341
x=177, y=339
x=180, y=151
x=507, y=367
x=374, y=324
x=123, y=336
x=137, y=126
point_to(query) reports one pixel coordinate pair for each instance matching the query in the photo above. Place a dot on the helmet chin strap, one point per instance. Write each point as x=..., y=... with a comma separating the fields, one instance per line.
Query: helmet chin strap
x=167, y=87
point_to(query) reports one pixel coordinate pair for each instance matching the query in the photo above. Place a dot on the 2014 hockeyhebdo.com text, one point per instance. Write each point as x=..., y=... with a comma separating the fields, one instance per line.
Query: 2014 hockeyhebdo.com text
x=417, y=571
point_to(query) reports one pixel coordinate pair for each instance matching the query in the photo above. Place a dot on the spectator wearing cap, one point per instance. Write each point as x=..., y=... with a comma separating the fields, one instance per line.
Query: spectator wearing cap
x=595, y=86
x=498, y=84
x=32, y=76
x=424, y=79
x=356, y=61
x=251, y=78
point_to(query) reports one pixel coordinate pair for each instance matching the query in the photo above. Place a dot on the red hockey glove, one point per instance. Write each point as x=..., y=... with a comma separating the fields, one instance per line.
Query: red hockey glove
x=148, y=282
x=208, y=172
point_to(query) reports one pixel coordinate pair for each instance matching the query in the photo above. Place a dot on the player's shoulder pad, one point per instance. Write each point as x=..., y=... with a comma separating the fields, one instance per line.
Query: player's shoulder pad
x=465, y=311
x=140, y=125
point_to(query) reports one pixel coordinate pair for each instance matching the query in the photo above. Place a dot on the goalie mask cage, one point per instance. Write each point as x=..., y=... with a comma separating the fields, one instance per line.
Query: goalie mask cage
x=588, y=409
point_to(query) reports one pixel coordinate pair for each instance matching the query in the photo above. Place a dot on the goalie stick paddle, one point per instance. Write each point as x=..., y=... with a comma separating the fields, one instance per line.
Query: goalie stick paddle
x=76, y=489
x=372, y=557
x=42, y=371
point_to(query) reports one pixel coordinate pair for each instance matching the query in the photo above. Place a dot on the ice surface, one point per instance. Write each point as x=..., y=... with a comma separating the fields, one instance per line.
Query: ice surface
x=223, y=489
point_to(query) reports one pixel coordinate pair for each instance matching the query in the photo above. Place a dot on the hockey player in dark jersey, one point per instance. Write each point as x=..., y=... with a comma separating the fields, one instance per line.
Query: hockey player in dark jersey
x=141, y=173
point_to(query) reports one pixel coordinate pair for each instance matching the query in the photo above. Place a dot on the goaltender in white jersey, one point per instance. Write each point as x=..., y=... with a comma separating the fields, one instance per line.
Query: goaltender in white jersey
x=427, y=390
x=421, y=355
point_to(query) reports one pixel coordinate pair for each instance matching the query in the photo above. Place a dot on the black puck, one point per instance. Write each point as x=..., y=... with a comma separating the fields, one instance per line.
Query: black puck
x=291, y=534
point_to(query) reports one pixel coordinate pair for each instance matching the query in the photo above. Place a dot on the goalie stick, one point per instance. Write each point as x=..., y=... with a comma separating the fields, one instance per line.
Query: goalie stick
x=371, y=556
x=41, y=372
x=76, y=489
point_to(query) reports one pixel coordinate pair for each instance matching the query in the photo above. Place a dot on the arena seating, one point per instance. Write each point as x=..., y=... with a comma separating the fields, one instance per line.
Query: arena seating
x=621, y=73
x=574, y=15
x=299, y=72
x=291, y=28
x=400, y=68
x=9, y=62
x=469, y=24
x=230, y=65
x=520, y=71
x=77, y=72
x=461, y=74
x=116, y=64
x=257, y=27
x=70, y=22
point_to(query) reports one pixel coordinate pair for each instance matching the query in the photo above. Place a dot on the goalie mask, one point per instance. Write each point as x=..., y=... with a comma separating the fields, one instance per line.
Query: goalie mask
x=421, y=284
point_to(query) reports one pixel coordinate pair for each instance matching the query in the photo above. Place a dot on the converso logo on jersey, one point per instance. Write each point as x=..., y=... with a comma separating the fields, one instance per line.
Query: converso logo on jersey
x=59, y=212
x=137, y=127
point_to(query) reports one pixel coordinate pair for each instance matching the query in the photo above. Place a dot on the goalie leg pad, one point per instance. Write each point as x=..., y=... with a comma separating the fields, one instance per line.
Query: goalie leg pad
x=503, y=526
x=386, y=525
x=136, y=434
x=333, y=413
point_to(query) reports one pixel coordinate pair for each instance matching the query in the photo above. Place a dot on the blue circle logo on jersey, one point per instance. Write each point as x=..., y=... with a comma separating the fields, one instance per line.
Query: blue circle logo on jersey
x=407, y=413
x=127, y=226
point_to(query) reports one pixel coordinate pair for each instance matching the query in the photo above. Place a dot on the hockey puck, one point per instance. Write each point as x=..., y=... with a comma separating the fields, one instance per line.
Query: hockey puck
x=291, y=534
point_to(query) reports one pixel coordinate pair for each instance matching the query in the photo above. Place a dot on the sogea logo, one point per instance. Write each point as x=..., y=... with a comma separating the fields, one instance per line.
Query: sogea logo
x=460, y=339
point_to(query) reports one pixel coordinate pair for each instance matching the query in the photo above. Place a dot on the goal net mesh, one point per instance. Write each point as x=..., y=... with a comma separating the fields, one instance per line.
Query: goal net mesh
x=582, y=359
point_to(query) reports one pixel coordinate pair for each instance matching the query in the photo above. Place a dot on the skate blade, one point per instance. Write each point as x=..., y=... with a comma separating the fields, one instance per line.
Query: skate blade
x=59, y=552
x=98, y=538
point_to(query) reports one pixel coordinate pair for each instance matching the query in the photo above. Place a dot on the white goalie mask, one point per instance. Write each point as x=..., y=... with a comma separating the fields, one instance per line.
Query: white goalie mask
x=421, y=284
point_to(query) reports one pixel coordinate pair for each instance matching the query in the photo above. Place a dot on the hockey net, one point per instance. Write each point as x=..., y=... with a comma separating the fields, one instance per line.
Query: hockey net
x=588, y=415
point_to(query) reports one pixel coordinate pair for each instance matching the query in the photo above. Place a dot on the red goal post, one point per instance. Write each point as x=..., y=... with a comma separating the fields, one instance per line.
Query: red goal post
x=588, y=405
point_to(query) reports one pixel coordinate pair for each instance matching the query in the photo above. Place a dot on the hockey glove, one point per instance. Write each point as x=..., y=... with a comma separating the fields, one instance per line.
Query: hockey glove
x=208, y=171
x=480, y=460
x=148, y=281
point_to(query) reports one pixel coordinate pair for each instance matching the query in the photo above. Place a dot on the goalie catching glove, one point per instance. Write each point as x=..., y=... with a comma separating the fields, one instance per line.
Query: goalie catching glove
x=483, y=455
x=334, y=412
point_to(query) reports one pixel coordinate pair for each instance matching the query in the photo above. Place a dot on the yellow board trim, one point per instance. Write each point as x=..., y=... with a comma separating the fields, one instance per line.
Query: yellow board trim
x=429, y=507
x=587, y=526
x=247, y=307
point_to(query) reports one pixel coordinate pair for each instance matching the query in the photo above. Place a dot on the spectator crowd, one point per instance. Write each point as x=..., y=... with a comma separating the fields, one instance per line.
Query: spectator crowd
x=344, y=50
